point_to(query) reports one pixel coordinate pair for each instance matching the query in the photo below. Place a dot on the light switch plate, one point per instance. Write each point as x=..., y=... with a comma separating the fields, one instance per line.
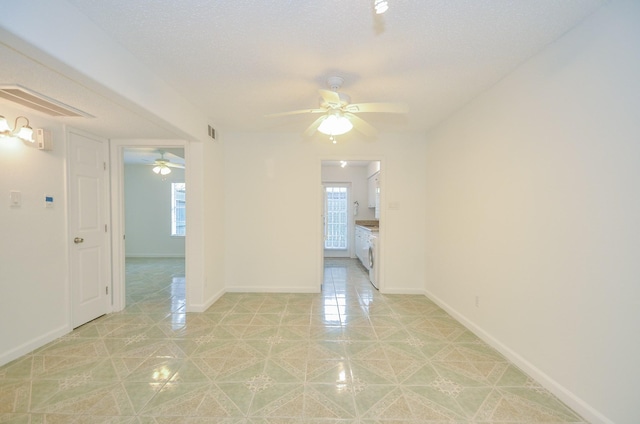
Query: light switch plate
x=15, y=199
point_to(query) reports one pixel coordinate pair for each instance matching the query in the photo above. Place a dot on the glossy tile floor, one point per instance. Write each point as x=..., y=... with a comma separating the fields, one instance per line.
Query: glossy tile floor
x=347, y=355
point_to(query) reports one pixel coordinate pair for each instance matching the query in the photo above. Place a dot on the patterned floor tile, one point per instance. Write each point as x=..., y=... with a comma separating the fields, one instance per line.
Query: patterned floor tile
x=328, y=401
x=14, y=396
x=58, y=367
x=273, y=400
x=191, y=399
x=346, y=355
x=18, y=369
x=78, y=395
x=523, y=405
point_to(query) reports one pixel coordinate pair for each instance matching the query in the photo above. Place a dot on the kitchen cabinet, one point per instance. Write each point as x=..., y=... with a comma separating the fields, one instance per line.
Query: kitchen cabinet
x=373, y=184
x=359, y=244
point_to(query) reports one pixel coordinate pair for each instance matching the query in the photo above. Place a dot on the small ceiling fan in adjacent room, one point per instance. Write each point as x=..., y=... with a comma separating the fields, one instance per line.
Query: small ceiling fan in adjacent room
x=163, y=166
x=339, y=115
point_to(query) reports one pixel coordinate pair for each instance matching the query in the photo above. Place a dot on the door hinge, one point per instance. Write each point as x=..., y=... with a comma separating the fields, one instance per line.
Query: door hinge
x=106, y=289
x=105, y=228
x=104, y=166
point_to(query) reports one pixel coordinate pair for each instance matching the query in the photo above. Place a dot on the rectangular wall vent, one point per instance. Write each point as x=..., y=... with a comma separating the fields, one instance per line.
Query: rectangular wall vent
x=39, y=102
x=212, y=132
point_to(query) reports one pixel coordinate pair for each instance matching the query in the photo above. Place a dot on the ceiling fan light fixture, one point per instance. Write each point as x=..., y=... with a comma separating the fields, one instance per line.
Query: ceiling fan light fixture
x=380, y=6
x=335, y=124
x=161, y=169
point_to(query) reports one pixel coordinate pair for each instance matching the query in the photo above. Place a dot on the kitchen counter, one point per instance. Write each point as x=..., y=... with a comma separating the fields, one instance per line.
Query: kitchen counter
x=369, y=225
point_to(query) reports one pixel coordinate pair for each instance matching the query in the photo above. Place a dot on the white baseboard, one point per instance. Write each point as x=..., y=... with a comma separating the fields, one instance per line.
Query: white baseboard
x=153, y=255
x=272, y=290
x=33, y=344
x=576, y=403
x=403, y=291
x=206, y=305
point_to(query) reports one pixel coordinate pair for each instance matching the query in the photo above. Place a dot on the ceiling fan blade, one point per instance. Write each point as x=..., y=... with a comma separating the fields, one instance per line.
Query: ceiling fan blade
x=330, y=97
x=377, y=108
x=295, y=112
x=361, y=125
x=314, y=126
x=174, y=165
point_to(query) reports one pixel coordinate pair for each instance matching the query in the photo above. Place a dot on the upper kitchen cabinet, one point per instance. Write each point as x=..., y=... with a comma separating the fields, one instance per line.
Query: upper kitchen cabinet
x=373, y=183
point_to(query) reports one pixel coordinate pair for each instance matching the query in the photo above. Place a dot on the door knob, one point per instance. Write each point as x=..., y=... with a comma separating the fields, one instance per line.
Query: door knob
x=78, y=240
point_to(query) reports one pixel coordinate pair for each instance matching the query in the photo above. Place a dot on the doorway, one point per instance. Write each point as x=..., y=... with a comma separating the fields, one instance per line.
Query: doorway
x=155, y=224
x=143, y=210
x=351, y=191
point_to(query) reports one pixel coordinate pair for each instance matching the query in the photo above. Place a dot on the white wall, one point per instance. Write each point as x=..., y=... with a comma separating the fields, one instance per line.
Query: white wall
x=148, y=213
x=34, y=307
x=272, y=209
x=213, y=219
x=533, y=205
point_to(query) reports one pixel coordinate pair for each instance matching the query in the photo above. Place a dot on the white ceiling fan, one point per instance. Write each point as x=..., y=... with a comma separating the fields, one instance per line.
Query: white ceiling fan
x=163, y=166
x=338, y=114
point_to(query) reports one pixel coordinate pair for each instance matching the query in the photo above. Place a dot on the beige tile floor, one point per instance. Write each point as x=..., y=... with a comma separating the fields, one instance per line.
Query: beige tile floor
x=346, y=355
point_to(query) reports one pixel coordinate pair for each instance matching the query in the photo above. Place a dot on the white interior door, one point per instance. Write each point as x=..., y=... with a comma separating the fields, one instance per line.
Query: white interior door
x=88, y=212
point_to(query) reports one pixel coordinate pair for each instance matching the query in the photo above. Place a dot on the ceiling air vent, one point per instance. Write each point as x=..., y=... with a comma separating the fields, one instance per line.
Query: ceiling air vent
x=39, y=102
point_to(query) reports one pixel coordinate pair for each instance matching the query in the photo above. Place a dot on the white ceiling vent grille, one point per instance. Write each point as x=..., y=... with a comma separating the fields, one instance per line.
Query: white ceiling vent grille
x=39, y=102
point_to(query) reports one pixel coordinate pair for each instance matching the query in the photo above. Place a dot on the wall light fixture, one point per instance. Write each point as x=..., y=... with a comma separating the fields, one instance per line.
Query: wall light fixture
x=24, y=132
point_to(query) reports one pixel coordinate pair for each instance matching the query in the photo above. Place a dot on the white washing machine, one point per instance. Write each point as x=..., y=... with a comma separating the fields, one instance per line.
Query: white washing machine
x=374, y=267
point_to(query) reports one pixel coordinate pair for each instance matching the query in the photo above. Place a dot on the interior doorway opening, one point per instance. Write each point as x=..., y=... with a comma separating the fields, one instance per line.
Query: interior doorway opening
x=154, y=190
x=351, y=192
x=145, y=153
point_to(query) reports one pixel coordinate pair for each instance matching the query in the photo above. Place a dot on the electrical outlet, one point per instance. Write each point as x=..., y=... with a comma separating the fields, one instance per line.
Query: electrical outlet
x=477, y=301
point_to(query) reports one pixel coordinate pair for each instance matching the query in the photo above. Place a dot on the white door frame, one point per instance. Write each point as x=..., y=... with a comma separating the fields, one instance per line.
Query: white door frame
x=118, y=212
x=381, y=234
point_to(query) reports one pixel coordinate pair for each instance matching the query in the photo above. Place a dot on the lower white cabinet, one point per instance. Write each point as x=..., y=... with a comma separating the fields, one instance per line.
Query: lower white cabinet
x=359, y=242
x=362, y=245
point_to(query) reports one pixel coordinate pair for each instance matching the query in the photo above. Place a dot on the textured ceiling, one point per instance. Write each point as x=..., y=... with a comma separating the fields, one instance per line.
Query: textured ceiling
x=241, y=59
x=148, y=155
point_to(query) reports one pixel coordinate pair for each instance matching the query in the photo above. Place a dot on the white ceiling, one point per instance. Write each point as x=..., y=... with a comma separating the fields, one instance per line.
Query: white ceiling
x=148, y=155
x=238, y=60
